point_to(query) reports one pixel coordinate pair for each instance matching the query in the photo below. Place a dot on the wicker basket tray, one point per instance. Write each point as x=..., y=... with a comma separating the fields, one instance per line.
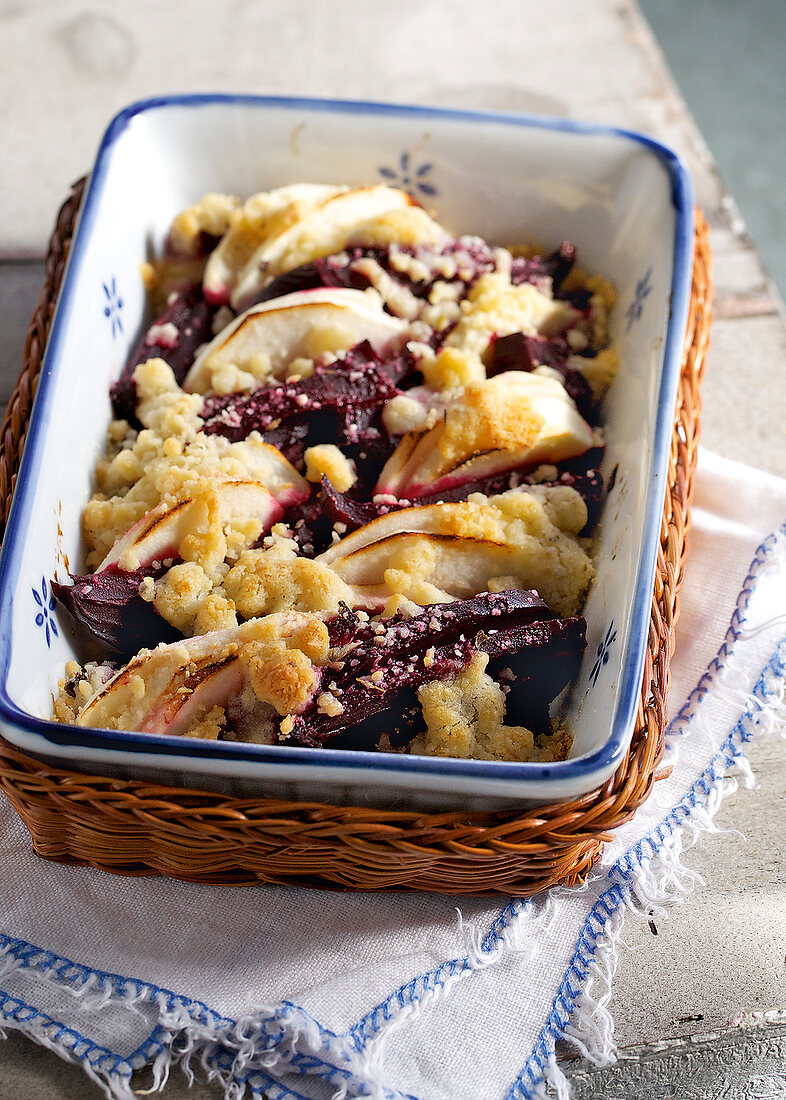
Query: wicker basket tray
x=139, y=828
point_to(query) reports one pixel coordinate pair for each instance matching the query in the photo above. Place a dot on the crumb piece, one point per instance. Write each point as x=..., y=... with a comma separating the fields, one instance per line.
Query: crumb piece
x=178, y=594
x=326, y=460
x=452, y=369
x=300, y=367
x=398, y=298
x=286, y=681
x=147, y=589
x=215, y=612
x=162, y=405
x=399, y=604
x=328, y=704
x=403, y=414
x=209, y=726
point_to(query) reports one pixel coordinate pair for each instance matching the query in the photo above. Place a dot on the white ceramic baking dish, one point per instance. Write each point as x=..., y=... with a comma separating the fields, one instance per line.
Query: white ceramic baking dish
x=623, y=199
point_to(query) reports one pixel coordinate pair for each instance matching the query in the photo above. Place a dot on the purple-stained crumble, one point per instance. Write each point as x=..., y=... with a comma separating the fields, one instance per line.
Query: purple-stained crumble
x=377, y=664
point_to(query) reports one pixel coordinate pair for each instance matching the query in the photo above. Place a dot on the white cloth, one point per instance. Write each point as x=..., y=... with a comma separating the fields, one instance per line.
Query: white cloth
x=299, y=993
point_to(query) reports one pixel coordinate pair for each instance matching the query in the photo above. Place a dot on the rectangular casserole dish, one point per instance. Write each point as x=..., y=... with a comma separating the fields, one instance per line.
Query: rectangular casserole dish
x=626, y=203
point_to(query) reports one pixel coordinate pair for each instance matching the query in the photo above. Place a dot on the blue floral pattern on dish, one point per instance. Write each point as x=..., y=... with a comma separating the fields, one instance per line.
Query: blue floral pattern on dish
x=113, y=306
x=636, y=307
x=44, y=617
x=602, y=652
x=409, y=177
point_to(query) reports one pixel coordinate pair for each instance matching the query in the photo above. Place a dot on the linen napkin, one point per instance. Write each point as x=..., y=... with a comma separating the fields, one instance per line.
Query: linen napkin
x=294, y=994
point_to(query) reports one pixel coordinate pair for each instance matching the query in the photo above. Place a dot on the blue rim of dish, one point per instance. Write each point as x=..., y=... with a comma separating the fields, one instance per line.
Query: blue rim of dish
x=602, y=759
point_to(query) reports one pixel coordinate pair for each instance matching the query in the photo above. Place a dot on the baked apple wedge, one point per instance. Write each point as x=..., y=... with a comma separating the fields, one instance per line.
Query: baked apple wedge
x=304, y=233
x=513, y=420
x=264, y=340
x=160, y=533
x=261, y=218
x=261, y=669
x=525, y=538
x=266, y=464
x=108, y=604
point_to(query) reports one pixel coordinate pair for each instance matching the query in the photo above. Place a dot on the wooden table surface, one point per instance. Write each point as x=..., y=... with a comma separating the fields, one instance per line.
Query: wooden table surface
x=685, y=991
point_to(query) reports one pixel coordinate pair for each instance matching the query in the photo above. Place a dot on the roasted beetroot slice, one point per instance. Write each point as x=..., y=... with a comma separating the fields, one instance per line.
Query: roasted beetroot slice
x=342, y=508
x=191, y=316
x=313, y=521
x=290, y=437
x=108, y=606
x=378, y=665
x=560, y=263
x=347, y=388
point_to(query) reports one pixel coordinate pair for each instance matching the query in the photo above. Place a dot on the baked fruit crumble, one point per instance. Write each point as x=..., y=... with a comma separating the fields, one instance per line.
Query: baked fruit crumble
x=348, y=496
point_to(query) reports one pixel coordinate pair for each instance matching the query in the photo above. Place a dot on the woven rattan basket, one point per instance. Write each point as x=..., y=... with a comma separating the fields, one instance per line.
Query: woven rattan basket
x=138, y=828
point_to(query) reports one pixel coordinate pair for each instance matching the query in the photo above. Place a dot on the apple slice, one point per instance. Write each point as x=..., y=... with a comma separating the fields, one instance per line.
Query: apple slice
x=443, y=552
x=166, y=689
x=265, y=463
x=158, y=534
x=515, y=419
x=262, y=217
x=297, y=325
x=325, y=228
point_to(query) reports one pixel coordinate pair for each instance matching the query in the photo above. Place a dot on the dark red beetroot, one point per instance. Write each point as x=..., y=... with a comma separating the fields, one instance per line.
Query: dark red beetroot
x=192, y=317
x=326, y=271
x=108, y=606
x=339, y=403
x=378, y=665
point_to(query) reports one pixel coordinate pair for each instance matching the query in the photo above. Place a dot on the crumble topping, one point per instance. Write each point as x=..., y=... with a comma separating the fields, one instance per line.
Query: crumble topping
x=452, y=369
x=495, y=307
x=487, y=419
x=274, y=661
x=266, y=581
x=151, y=469
x=464, y=717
